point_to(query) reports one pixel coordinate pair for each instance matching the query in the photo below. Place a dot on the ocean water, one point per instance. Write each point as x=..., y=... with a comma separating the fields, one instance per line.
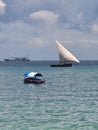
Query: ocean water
x=67, y=101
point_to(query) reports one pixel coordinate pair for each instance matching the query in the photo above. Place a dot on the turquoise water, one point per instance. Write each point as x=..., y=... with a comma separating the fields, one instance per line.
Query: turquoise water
x=67, y=101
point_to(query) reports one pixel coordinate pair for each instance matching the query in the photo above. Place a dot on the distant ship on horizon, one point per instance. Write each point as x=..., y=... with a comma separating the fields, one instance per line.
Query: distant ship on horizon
x=17, y=59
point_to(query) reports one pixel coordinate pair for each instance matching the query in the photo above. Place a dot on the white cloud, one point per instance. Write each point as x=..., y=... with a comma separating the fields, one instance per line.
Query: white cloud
x=2, y=7
x=79, y=14
x=95, y=28
x=15, y=33
x=45, y=15
x=36, y=41
x=74, y=23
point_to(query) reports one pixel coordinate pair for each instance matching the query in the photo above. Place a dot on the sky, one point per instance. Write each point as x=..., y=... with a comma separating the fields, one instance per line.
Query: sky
x=31, y=28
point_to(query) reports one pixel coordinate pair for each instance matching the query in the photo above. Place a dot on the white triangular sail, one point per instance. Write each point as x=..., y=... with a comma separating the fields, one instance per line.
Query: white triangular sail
x=65, y=55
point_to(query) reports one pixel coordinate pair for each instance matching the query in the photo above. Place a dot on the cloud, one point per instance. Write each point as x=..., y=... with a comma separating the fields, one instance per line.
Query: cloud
x=78, y=14
x=2, y=7
x=17, y=32
x=36, y=41
x=46, y=16
x=94, y=26
x=35, y=25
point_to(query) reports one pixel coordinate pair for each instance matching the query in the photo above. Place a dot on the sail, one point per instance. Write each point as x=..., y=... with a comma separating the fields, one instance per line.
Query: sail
x=65, y=55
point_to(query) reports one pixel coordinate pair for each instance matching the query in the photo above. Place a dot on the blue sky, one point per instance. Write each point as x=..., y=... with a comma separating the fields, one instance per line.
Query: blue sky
x=31, y=27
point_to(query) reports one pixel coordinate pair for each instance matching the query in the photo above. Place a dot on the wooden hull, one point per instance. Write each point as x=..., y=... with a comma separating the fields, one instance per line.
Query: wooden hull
x=35, y=81
x=61, y=65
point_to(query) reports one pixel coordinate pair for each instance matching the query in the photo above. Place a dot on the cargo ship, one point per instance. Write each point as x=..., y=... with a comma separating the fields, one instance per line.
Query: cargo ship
x=17, y=59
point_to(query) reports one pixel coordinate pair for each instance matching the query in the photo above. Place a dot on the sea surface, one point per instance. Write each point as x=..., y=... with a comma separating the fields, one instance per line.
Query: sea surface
x=67, y=101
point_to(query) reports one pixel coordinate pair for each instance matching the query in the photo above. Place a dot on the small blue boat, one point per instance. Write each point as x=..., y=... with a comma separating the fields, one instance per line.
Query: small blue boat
x=33, y=77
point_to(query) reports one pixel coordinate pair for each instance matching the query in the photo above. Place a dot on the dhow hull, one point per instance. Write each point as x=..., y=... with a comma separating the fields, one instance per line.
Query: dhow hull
x=61, y=65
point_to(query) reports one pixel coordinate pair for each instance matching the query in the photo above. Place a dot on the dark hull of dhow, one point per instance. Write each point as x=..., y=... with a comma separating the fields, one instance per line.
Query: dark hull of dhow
x=61, y=65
